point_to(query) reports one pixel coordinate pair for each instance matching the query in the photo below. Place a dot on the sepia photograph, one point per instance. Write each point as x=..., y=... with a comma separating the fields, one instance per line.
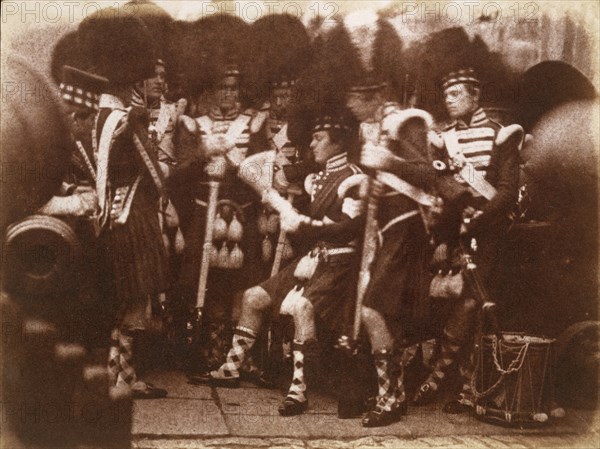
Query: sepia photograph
x=304, y=224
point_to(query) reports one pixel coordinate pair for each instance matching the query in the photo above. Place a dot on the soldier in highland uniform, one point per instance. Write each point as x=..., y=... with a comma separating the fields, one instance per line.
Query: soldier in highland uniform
x=129, y=184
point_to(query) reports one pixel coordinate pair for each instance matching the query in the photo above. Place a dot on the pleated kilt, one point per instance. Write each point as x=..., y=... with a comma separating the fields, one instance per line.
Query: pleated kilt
x=400, y=280
x=134, y=252
x=331, y=290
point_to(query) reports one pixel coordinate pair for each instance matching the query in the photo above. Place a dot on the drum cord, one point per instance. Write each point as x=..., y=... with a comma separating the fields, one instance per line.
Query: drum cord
x=512, y=367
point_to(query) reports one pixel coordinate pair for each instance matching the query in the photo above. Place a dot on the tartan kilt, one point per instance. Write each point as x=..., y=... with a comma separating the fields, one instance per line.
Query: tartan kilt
x=400, y=280
x=331, y=290
x=135, y=255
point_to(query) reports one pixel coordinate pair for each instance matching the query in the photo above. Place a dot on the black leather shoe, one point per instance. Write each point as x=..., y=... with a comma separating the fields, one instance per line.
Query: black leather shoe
x=150, y=392
x=457, y=407
x=292, y=407
x=199, y=378
x=380, y=418
x=425, y=395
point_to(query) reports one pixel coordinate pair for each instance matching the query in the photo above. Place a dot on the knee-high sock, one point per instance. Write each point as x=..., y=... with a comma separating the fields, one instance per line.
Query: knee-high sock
x=114, y=358
x=449, y=351
x=466, y=369
x=297, y=389
x=243, y=340
x=390, y=391
x=127, y=374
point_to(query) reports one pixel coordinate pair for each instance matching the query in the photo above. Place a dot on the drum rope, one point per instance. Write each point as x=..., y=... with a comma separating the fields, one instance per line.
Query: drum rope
x=512, y=367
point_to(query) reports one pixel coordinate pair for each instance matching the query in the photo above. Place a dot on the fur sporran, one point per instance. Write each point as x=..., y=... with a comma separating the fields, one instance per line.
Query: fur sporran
x=447, y=285
x=307, y=266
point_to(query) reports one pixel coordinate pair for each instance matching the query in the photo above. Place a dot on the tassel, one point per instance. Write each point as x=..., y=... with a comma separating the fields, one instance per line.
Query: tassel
x=166, y=243
x=235, y=230
x=288, y=251
x=179, y=242
x=267, y=249
x=272, y=224
x=223, y=260
x=214, y=256
x=236, y=257
x=306, y=267
x=171, y=217
x=219, y=228
x=262, y=223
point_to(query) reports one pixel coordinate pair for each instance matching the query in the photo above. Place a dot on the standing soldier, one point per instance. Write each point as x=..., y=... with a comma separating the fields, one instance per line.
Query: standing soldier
x=484, y=157
x=129, y=183
x=281, y=51
x=233, y=250
x=80, y=92
x=77, y=202
x=151, y=94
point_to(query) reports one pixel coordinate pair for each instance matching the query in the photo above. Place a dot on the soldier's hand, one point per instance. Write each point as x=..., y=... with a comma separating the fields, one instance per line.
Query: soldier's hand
x=440, y=255
x=216, y=145
x=89, y=202
x=353, y=208
x=375, y=157
x=236, y=156
x=291, y=220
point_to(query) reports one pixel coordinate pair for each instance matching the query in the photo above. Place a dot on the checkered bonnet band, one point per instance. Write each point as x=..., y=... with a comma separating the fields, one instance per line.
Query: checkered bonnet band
x=81, y=88
x=327, y=122
x=78, y=96
x=465, y=76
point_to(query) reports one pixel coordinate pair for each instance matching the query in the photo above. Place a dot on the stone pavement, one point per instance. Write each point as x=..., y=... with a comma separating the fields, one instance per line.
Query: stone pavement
x=202, y=417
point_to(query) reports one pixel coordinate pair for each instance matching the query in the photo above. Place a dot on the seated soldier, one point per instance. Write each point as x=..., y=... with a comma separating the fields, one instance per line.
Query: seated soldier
x=318, y=286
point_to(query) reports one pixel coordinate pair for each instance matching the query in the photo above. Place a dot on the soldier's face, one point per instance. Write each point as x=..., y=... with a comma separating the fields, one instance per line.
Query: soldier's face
x=155, y=87
x=363, y=105
x=281, y=99
x=228, y=93
x=460, y=102
x=323, y=148
x=82, y=122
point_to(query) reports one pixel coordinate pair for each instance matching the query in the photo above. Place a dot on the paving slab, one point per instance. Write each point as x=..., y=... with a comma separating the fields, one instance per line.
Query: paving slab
x=432, y=422
x=176, y=383
x=329, y=426
x=265, y=402
x=266, y=426
x=220, y=443
x=377, y=442
x=177, y=417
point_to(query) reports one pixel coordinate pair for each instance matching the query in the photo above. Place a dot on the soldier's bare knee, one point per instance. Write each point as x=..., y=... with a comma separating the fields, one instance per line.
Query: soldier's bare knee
x=304, y=308
x=370, y=316
x=256, y=298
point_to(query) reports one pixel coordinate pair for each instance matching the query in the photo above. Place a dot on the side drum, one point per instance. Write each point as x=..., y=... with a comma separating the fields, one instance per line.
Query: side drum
x=514, y=379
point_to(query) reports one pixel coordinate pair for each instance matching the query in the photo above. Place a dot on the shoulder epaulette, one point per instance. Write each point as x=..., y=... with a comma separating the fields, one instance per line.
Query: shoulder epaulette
x=435, y=138
x=355, y=168
x=508, y=132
